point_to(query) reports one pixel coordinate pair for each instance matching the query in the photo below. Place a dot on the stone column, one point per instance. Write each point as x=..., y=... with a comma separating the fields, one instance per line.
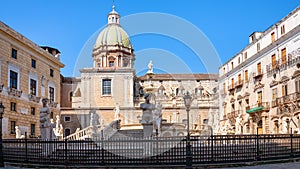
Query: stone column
x=251, y=125
x=263, y=124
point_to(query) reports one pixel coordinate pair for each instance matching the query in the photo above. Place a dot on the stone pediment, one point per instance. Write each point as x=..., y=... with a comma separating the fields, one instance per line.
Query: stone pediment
x=258, y=86
x=232, y=100
x=296, y=74
x=284, y=79
x=239, y=97
x=273, y=83
x=247, y=94
x=161, y=87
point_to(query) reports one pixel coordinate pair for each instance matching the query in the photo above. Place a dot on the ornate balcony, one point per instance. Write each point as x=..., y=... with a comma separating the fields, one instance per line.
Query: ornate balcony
x=34, y=98
x=257, y=74
x=260, y=106
x=231, y=88
x=14, y=92
x=239, y=84
x=288, y=98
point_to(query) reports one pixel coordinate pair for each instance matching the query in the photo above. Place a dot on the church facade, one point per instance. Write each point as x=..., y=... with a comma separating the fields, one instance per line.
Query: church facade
x=112, y=84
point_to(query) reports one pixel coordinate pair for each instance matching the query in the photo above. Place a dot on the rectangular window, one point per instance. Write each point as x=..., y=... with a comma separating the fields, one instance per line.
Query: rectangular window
x=274, y=94
x=67, y=118
x=258, y=47
x=239, y=60
x=51, y=72
x=224, y=70
x=282, y=30
x=239, y=78
x=106, y=86
x=51, y=94
x=33, y=63
x=13, y=79
x=283, y=56
x=33, y=87
x=13, y=106
x=14, y=53
x=224, y=88
x=32, y=110
x=232, y=82
x=273, y=57
x=232, y=66
x=12, y=127
x=32, y=129
x=273, y=37
x=259, y=68
x=284, y=90
x=246, y=76
x=259, y=97
x=245, y=55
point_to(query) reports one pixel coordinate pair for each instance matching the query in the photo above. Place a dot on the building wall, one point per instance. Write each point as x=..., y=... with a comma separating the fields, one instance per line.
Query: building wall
x=26, y=51
x=238, y=98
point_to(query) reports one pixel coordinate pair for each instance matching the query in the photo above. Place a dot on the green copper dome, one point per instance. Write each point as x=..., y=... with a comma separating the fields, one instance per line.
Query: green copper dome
x=113, y=34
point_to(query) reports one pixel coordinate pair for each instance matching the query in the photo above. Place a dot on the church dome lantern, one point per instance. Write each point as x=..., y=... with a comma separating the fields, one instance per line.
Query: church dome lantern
x=113, y=42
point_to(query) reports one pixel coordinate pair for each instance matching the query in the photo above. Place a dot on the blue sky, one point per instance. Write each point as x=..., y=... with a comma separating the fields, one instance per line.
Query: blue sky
x=69, y=25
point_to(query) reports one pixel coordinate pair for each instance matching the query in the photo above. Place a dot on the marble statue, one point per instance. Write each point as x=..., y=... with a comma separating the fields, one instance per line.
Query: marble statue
x=18, y=133
x=150, y=67
x=94, y=118
x=52, y=129
x=157, y=115
x=147, y=117
x=238, y=124
x=147, y=108
x=117, y=111
x=45, y=120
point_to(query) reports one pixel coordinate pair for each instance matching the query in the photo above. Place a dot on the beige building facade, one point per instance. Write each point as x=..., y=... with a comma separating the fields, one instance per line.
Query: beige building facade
x=28, y=73
x=259, y=86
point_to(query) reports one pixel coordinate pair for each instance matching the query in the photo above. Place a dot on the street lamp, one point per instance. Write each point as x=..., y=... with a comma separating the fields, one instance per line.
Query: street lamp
x=187, y=102
x=1, y=146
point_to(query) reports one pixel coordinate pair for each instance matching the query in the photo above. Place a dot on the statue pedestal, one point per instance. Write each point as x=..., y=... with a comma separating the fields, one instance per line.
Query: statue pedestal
x=147, y=129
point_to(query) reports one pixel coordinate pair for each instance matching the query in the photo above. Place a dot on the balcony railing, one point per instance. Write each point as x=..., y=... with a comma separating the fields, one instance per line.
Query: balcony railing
x=231, y=87
x=14, y=92
x=34, y=98
x=280, y=66
x=257, y=74
x=239, y=84
x=288, y=98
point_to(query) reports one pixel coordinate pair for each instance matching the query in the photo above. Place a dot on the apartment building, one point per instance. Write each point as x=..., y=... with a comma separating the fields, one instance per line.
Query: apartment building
x=28, y=73
x=260, y=85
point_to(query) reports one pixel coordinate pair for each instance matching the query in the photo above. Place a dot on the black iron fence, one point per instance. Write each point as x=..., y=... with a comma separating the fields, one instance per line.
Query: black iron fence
x=171, y=151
